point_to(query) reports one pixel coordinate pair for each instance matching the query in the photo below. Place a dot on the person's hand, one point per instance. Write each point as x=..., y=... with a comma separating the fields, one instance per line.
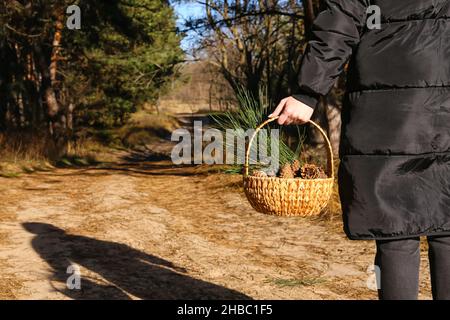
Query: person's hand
x=292, y=111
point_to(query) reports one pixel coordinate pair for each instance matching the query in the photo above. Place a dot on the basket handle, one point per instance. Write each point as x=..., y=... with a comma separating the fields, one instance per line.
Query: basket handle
x=330, y=168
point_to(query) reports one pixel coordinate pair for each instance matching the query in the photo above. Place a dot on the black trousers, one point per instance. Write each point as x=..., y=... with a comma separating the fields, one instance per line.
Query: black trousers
x=399, y=261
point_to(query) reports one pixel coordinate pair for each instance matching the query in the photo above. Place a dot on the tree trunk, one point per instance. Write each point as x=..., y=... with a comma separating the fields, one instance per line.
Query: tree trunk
x=57, y=125
x=56, y=48
x=318, y=116
x=333, y=115
x=3, y=108
x=70, y=110
x=309, y=17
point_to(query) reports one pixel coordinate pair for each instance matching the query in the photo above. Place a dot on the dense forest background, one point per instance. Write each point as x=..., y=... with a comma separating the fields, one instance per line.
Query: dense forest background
x=59, y=79
x=56, y=83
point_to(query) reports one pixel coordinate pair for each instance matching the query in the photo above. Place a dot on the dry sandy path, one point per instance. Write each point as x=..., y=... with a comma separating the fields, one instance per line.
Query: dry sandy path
x=147, y=230
x=143, y=232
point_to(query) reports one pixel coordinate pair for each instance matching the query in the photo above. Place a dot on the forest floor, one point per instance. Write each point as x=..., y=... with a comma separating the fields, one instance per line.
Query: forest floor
x=142, y=228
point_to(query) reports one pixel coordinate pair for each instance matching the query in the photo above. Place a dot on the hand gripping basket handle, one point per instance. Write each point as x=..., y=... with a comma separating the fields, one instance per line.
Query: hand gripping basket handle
x=330, y=168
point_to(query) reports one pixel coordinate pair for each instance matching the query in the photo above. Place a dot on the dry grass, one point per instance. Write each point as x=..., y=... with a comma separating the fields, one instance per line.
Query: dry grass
x=21, y=146
x=303, y=282
x=144, y=128
x=143, y=119
x=22, y=152
x=27, y=152
x=89, y=151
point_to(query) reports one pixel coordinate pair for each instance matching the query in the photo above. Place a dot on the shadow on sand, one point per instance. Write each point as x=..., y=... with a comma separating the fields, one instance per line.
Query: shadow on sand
x=126, y=270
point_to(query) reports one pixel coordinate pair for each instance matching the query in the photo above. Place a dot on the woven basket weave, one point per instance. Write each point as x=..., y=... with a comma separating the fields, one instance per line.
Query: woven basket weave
x=289, y=197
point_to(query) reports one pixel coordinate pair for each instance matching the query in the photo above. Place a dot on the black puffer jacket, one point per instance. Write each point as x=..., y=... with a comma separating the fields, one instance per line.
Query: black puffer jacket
x=394, y=174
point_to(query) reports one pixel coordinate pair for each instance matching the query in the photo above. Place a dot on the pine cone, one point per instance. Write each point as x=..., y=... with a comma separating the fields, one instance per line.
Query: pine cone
x=286, y=171
x=322, y=174
x=309, y=171
x=270, y=173
x=259, y=174
x=296, y=167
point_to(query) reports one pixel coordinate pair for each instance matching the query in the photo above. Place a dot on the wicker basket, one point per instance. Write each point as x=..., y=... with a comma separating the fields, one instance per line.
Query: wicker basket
x=289, y=197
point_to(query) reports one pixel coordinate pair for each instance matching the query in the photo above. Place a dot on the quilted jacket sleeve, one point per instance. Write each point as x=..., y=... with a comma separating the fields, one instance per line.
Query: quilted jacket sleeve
x=335, y=33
